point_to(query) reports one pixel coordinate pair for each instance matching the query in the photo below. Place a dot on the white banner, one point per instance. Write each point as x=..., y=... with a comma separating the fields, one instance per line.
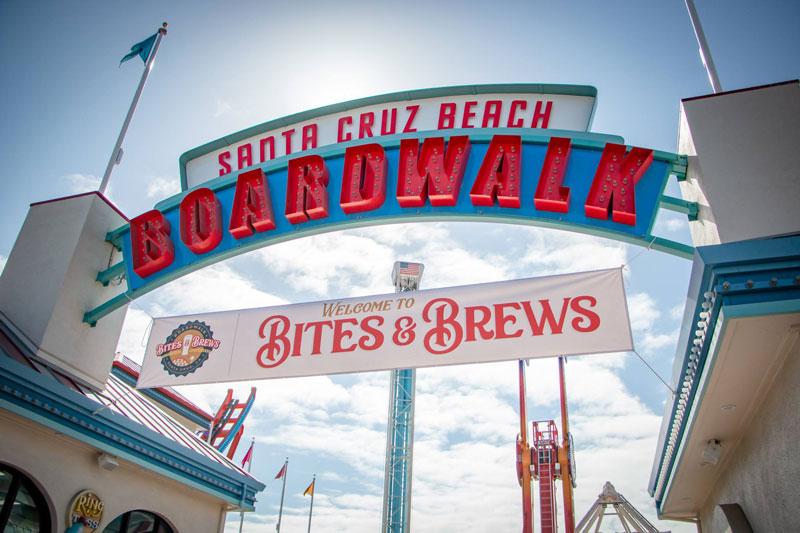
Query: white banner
x=570, y=314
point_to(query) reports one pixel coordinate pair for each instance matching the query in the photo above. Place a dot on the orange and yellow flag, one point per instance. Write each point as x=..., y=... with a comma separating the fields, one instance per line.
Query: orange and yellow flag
x=310, y=489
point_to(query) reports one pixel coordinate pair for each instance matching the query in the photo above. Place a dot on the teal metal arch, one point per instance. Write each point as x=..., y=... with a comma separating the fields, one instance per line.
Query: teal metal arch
x=586, y=151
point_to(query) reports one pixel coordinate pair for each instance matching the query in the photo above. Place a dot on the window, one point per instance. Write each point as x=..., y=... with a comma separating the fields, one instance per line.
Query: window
x=138, y=522
x=23, y=508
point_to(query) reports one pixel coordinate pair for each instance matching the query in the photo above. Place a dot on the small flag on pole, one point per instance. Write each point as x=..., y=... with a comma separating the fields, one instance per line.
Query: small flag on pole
x=411, y=269
x=147, y=50
x=282, y=474
x=310, y=490
x=248, y=456
x=141, y=49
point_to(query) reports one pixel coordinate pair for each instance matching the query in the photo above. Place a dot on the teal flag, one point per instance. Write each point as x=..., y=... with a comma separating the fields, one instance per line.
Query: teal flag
x=141, y=49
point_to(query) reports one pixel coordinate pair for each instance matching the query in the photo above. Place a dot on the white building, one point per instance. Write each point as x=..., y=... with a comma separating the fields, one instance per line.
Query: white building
x=728, y=450
x=77, y=440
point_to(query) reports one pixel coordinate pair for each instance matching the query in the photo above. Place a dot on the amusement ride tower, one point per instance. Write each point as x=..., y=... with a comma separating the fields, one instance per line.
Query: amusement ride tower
x=400, y=429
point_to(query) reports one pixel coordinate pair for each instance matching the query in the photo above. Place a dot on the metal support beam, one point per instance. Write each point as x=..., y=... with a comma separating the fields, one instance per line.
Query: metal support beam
x=400, y=430
x=91, y=317
x=399, y=453
x=689, y=209
x=114, y=271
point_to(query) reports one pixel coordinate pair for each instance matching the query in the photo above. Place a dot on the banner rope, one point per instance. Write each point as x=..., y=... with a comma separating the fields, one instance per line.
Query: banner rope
x=149, y=325
x=625, y=267
x=671, y=390
x=647, y=249
x=111, y=400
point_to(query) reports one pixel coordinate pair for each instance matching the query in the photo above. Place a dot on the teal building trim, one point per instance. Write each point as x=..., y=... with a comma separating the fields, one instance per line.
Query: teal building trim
x=743, y=279
x=38, y=397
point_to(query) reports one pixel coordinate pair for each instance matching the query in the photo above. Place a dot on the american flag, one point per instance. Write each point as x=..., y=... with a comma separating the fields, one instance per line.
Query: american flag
x=409, y=269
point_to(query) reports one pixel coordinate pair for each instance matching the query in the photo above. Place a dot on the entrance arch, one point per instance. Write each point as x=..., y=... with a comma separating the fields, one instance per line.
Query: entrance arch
x=248, y=210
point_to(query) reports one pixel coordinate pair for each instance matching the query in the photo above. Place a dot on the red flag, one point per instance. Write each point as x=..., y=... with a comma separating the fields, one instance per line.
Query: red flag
x=282, y=472
x=248, y=456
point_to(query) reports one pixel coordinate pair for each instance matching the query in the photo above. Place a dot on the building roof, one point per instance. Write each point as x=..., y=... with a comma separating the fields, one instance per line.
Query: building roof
x=128, y=371
x=749, y=290
x=119, y=421
x=127, y=401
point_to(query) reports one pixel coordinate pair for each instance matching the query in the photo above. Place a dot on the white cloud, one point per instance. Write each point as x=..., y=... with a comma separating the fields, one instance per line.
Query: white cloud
x=646, y=320
x=215, y=288
x=556, y=252
x=470, y=486
x=652, y=342
x=360, y=447
x=676, y=313
x=359, y=262
x=670, y=223
x=163, y=187
x=3, y=260
x=642, y=311
x=82, y=182
x=471, y=413
x=222, y=108
x=342, y=262
x=450, y=263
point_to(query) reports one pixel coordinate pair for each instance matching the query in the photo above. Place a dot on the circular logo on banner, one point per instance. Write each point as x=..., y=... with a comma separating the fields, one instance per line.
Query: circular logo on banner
x=187, y=348
x=86, y=509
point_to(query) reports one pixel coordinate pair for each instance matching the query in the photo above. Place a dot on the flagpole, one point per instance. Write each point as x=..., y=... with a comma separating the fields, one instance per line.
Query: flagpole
x=116, y=155
x=283, y=491
x=249, y=465
x=311, y=509
x=705, y=52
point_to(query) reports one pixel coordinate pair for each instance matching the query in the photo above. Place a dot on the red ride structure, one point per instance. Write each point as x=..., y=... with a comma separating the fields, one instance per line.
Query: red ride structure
x=546, y=461
x=546, y=470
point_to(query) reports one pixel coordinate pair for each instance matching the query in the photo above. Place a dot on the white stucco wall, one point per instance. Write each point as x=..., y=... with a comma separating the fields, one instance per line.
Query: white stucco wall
x=763, y=476
x=62, y=467
x=65, y=239
x=742, y=168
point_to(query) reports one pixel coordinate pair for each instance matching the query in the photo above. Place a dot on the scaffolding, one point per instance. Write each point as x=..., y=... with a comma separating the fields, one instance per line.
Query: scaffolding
x=400, y=430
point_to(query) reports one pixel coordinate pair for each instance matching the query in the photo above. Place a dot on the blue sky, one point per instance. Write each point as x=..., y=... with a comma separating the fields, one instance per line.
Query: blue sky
x=227, y=66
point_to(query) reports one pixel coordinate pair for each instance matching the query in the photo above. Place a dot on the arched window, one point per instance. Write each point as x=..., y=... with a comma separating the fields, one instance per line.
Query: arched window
x=22, y=505
x=138, y=522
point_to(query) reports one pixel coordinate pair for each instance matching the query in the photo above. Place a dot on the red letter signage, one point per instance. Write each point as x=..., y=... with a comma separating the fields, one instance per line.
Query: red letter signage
x=150, y=243
x=435, y=172
x=550, y=195
x=201, y=221
x=616, y=176
x=306, y=192
x=500, y=173
x=364, y=179
x=252, y=205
